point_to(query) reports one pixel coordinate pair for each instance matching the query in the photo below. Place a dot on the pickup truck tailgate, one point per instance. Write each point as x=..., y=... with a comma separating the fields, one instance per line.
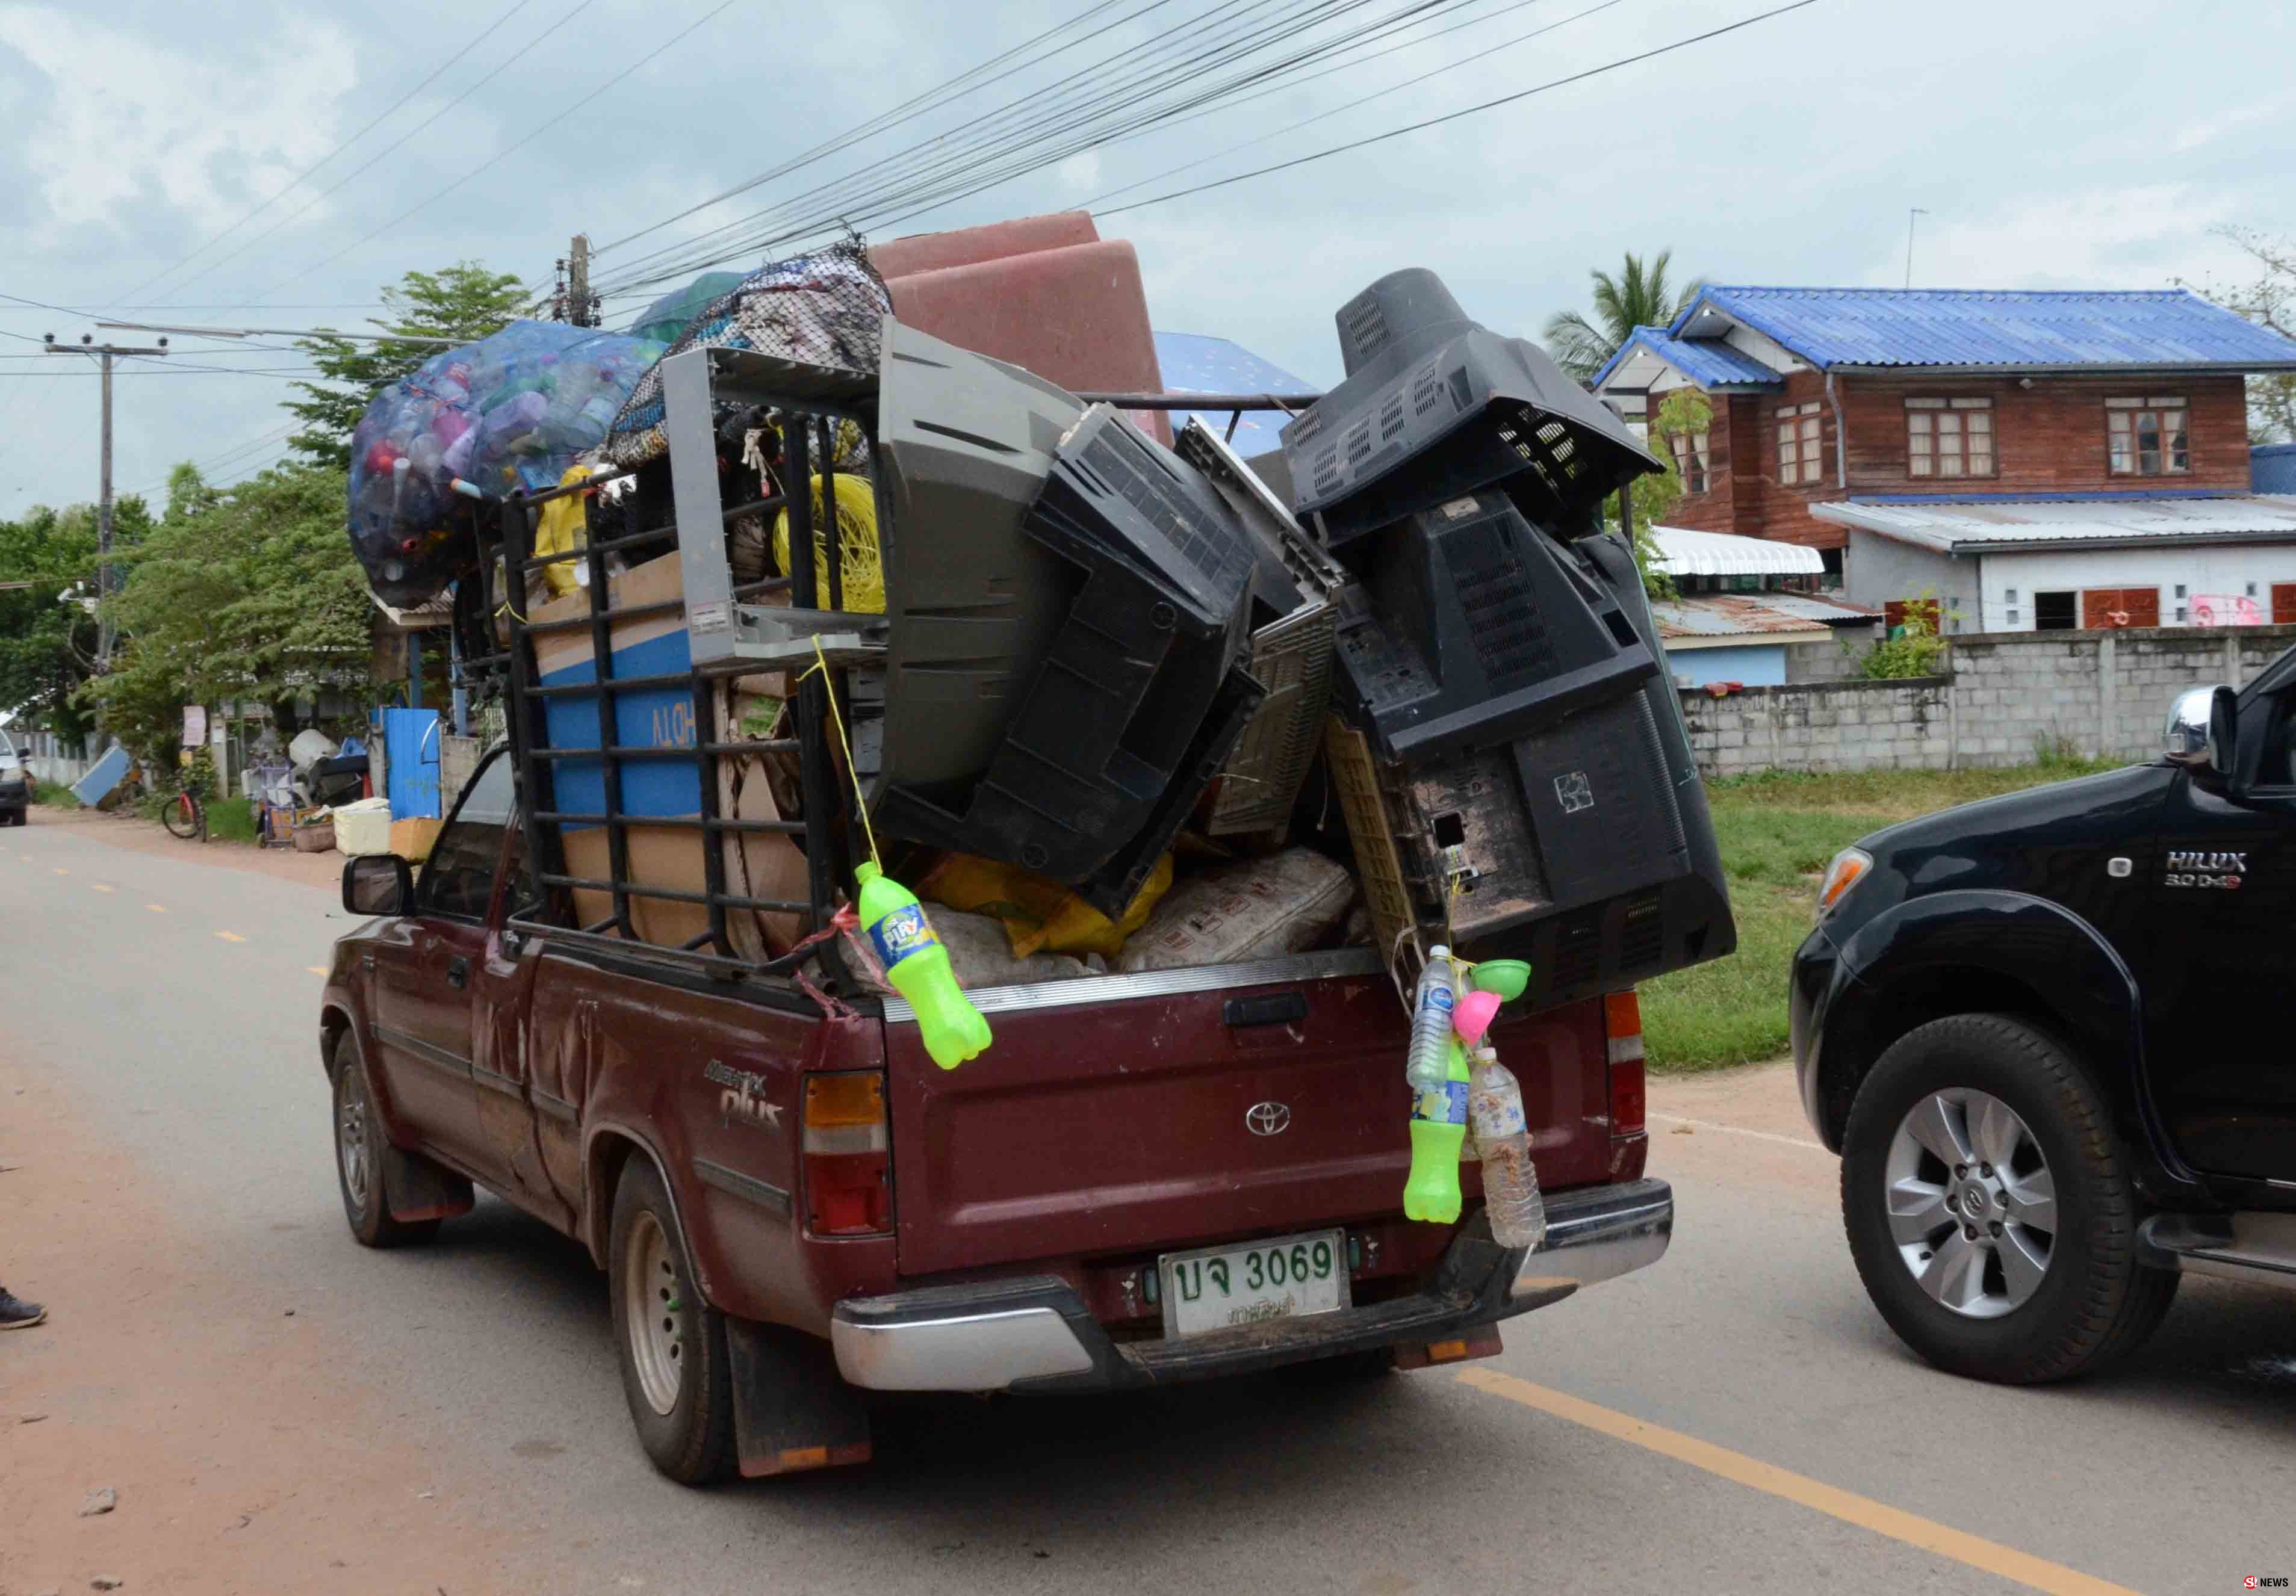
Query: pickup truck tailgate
x=1119, y=1113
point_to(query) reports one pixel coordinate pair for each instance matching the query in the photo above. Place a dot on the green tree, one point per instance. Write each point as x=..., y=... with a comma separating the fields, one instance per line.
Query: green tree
x=47, y=636
x=2269, y=300
x=464, y=302
x=1684, y=410
x=250, y=592
x=1639, y=296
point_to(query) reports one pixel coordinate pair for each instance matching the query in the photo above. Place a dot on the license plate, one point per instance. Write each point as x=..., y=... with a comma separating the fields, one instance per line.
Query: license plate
x=1285, y=1277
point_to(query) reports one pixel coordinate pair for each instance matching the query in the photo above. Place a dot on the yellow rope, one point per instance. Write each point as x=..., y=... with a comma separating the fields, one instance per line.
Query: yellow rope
x=860, y=798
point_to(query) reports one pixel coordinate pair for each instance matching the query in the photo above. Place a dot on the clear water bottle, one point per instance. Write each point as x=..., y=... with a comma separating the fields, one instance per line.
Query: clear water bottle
x=1428, y=1062
x=1510, y=1181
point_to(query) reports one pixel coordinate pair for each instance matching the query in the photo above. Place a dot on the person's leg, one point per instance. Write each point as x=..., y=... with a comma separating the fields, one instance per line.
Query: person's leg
x=16, y=1313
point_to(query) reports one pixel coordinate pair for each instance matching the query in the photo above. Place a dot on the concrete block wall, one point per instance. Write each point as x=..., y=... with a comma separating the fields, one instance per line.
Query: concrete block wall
x=2007, y=699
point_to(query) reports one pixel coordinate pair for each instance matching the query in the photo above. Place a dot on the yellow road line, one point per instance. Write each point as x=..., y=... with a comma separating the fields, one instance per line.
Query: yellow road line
x=1989, y=1557
x=230, y=936
x=60, y=870
x=318, y=969
x=98, y=887
x=157, y=908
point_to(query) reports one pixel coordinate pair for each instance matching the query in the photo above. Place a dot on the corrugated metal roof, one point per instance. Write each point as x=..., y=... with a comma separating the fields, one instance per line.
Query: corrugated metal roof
x=1777, y=615
x=2018, y=330
x=1196, y=363
x=1685, y=552
x=1973, y=525
x=1707, y=361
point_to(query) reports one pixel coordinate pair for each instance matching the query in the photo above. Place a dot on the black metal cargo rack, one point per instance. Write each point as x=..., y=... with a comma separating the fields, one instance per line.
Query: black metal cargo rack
x=728, y=634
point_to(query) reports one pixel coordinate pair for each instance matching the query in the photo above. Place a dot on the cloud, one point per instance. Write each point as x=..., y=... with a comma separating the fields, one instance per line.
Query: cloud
x=2141, y=236
x=129, y=121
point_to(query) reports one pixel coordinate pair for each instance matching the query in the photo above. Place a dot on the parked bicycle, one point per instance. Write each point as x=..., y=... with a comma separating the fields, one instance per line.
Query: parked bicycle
x=183, y=815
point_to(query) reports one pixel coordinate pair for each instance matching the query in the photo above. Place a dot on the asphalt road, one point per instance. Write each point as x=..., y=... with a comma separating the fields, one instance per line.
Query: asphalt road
x=1735, y=1419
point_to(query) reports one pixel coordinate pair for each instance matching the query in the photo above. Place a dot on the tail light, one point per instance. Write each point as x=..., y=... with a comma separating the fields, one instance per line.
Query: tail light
x=1622, y=1018
x=847, y=1172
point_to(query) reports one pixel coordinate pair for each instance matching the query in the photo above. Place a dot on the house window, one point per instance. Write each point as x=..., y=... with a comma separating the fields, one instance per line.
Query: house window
x=2056, y=611
x=1689, y=460
x=1801, y=444
x=2147, y=436
x=1949, y=438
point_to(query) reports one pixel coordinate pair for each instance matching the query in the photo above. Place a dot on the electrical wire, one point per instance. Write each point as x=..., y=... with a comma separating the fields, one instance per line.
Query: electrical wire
x=1479, y=57
x=461, y=53
x=1470, y=111
x=1143, y=71
x=1136, y=88
x=580, y=104
x=489, y=77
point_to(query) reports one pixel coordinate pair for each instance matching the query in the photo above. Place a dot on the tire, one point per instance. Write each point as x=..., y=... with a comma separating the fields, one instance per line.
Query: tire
x=359, y=1150
x=1978, y=1307
x=179, y=824
x=676, y=1373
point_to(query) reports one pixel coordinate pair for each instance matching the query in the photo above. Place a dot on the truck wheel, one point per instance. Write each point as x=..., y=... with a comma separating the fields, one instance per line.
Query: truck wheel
x=676, y=1372
x=360, y=1149
x=1989, y=1210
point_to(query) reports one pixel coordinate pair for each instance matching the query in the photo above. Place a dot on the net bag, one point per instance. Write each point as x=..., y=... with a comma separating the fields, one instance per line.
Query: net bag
x=826, y=308
x=509, y=412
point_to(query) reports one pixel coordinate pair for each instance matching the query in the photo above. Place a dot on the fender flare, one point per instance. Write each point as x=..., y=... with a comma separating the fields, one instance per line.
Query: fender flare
x=598, y=1226
x=2083, y=985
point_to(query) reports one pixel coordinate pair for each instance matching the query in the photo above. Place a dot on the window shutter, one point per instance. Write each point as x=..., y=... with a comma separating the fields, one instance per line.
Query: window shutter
x=2284, y=603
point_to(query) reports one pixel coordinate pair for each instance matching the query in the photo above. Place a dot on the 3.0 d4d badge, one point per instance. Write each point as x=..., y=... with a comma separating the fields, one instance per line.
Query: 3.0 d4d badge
x=2192, y=868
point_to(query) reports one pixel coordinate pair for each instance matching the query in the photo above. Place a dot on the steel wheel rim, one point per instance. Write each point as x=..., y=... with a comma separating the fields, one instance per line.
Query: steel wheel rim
x=1971, y=1203
x=653, y=1313
x=351, y=1140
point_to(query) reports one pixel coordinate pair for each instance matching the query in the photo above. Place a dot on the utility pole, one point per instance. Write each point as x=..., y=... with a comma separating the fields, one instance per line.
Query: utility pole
x=1910, y=215
x=106, y=354
x=581, y=309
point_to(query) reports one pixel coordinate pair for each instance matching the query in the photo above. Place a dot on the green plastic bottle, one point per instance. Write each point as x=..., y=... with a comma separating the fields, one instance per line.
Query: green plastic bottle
x=1438, y=1130
x=918, y=966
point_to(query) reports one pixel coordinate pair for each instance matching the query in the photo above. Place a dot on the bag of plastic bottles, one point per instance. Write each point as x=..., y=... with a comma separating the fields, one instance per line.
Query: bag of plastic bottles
x=509, y=412
x=826, y=308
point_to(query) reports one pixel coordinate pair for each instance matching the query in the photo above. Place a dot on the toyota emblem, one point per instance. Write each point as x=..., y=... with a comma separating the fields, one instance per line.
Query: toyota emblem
x=1267, y=1120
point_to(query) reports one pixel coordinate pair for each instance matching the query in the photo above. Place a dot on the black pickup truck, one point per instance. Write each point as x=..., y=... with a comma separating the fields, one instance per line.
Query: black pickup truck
x=2049, y=1035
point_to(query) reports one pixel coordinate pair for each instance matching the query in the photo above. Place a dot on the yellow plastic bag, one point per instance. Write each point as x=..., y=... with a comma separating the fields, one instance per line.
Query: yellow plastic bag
x=563, y=528
x=863, y=588
x=1038, y=915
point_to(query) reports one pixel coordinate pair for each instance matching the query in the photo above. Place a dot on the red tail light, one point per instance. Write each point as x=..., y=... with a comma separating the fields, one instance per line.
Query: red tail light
x=1622, y=1018
x=848, y=1188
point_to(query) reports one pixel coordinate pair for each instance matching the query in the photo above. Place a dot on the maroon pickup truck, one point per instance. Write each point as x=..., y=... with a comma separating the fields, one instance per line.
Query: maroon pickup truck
x=1149, y=1178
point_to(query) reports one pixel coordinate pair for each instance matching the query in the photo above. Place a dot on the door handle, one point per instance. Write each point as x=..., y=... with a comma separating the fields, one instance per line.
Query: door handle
x=366, y=961
x=1282, y=1007
x=458, y=972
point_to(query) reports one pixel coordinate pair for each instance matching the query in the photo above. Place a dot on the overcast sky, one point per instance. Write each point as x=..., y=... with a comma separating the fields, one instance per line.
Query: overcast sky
x=2053, y=142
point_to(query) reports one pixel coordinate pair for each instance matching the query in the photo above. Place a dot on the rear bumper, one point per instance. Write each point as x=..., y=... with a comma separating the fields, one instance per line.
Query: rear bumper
x=1033, y=1333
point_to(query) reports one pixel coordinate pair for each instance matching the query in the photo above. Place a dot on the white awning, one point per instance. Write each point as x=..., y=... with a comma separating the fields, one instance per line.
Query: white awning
x=1683, y=553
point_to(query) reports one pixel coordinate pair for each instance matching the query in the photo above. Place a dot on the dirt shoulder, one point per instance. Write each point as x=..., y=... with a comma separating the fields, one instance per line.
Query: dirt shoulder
x=241, y=1460
x=137, y=835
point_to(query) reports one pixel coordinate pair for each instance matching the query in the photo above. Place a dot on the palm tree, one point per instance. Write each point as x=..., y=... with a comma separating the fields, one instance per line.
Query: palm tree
x=1638, y=297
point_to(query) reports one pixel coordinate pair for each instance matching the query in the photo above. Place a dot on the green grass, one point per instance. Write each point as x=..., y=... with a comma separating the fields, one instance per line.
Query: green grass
x=1776, y=830
x=55, y=794
x=230, y=819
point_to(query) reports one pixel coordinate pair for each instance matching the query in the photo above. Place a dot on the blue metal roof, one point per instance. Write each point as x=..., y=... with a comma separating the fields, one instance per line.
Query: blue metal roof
x=1707, y=361
x=2028, y=331
x=1196, y=362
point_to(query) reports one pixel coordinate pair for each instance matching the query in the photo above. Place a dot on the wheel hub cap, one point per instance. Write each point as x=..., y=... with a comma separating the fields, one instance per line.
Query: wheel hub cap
x=1971, y=1201
x=653, y=1313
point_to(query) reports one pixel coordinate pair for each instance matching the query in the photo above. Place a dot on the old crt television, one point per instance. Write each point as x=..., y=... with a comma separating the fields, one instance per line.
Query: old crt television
x=1435, y=406
x=1585, y=845
x=1472, y=627
x=1137, y=697
x=964, y=444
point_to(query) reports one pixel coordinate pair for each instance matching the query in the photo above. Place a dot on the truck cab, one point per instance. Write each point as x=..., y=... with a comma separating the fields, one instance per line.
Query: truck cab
x=2046, y=1032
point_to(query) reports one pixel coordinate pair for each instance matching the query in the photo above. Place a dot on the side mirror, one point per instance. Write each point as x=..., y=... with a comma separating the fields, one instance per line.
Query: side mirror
x=2201, y=729
x=377, y=884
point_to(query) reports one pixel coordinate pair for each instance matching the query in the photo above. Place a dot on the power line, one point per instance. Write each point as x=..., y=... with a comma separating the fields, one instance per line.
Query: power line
x=1286, y=165
x=460, y=51
x=489, y=77
x=1482, y=55
x=583, y=103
